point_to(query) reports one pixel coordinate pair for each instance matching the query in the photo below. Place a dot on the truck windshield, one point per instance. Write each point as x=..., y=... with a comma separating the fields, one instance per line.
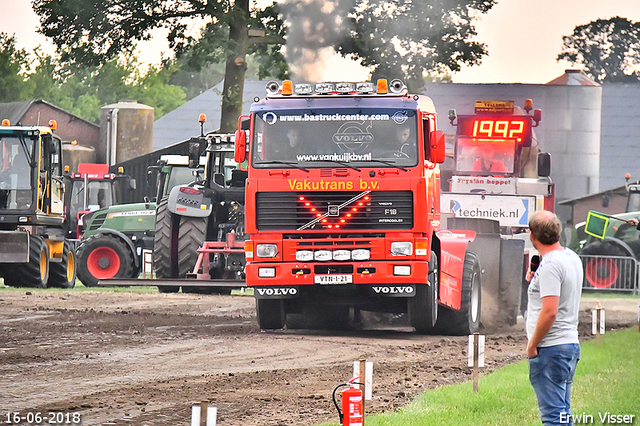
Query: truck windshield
x=15, y=174
x=485, y=156
x=326, y=138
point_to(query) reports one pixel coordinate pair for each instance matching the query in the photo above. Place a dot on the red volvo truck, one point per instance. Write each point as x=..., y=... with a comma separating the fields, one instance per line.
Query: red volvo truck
x=342, y=214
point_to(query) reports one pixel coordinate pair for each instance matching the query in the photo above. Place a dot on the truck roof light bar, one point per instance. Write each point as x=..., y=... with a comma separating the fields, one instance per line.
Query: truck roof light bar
x=345, y=87
x=324, y=88
x=365, y=87
x=383, y=87
x=287, y=87
x=273, y=88
x=303, y=89
x=397, y=86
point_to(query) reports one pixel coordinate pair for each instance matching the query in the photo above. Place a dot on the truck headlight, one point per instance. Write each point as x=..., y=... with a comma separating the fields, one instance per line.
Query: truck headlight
x=266, y=272
x=304, y=255
x=342, y=255
x=360, y=254
x=266, y=250
x=401, y=248
x=404, y=270
x=323, y=255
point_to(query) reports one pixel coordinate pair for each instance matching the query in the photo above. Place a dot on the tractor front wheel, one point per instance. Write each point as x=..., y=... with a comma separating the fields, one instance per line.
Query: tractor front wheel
x=63, y=274
x=103, y=257
x=35, y=273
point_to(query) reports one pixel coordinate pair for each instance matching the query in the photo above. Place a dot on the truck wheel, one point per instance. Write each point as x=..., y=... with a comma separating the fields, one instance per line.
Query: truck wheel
x=191, y=235
x=63, y=274
x=270, y=313
x=467, y=319
x=102, y=257
x=35, y=273
x=423, y=307
x=165, y=247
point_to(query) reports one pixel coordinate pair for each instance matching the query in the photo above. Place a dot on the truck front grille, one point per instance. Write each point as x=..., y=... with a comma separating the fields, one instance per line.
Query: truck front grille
x=334, y=211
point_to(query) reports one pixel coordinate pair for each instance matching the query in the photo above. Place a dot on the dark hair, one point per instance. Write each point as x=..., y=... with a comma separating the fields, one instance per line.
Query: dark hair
x=545, y=227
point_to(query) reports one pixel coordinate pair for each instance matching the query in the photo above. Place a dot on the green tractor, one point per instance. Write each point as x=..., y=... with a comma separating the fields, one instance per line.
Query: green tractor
x=114, y=238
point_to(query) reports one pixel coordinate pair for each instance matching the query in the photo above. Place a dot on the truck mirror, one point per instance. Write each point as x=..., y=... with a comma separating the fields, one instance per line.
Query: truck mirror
x=240, y=153
x=132, y=184
x=544, y=164
x=152, y=176
x=194, y=155
x=437, y=146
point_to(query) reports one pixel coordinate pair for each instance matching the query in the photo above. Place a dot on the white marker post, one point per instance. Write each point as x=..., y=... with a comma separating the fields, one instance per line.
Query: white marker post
x=475, y=356
x=210, y=415
x=367, y=380
x=597, y=321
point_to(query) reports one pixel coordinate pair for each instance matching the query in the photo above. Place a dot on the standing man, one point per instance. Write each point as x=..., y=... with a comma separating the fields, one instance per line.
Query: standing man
x=552, y=319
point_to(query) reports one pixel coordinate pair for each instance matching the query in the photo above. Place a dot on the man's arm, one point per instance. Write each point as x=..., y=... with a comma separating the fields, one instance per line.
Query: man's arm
x=545, y=320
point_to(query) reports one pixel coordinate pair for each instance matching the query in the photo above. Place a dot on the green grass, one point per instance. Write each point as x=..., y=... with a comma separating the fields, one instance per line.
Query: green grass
x=609, y=295
x=81, y=288
x=133, y=289
x=607, y=380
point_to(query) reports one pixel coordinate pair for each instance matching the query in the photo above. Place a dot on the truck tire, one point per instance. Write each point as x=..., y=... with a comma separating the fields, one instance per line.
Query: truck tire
x=63, y=274
x=423, y=307
x=467, y=319
x=192, y=232
x=102, y=257
x=270, y=314
x=35, y=273
x=165, y=248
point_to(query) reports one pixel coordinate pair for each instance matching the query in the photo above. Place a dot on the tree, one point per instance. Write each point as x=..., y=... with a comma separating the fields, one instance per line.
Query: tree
x=414, y=39
x=608, y=49
x=14, y=65
x=95, y=31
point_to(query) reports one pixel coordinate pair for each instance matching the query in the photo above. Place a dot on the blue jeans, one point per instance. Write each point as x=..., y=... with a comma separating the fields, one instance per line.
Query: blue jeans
x=551, y=375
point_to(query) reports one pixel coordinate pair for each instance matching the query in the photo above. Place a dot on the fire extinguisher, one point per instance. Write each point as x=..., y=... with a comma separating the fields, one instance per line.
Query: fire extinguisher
x=352, y=413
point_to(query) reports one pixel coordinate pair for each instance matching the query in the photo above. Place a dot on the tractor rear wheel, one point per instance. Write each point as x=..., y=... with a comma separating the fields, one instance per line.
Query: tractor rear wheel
x=165, y=247
x=467, y=319
x=103, y=257
x=191, y=235
x=63, y=274
x=270, y=313
x=35, y=273
x=423, y=307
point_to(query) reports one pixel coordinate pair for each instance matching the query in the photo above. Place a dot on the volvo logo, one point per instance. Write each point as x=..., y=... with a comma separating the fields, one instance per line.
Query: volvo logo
x=276, y=291
x=405, y=290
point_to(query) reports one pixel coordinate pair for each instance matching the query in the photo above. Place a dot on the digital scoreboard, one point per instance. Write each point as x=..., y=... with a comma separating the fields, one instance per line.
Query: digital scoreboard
x=498, y=127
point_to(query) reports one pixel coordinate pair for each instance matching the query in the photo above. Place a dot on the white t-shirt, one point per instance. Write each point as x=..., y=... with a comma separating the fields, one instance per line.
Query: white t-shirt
x=560, y=274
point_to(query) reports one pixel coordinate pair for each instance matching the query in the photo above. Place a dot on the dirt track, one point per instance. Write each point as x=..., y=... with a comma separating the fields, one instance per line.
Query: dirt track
x=145, y=358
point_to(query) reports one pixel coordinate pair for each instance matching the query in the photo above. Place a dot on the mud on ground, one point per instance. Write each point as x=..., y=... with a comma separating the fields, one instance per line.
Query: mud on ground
x=145, y=358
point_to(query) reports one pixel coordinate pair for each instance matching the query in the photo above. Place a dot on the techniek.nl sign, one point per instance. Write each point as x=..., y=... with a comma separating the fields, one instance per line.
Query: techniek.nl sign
x=509, y=210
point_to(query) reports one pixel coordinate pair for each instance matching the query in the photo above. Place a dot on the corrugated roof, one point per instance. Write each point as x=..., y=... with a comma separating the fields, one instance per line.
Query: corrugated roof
x=166, y=132
x=573, y=78
x=14, y=111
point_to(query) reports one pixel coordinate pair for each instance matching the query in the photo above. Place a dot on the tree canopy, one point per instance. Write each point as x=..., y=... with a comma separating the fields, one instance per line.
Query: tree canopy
x=413, y=39
x=83, y=89
x=94, y=31
x=408, y=39
x=609, y=50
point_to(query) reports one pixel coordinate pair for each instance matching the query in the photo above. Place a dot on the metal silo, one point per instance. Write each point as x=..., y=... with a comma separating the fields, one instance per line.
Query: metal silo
x=126, y=132
x=572, y=133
